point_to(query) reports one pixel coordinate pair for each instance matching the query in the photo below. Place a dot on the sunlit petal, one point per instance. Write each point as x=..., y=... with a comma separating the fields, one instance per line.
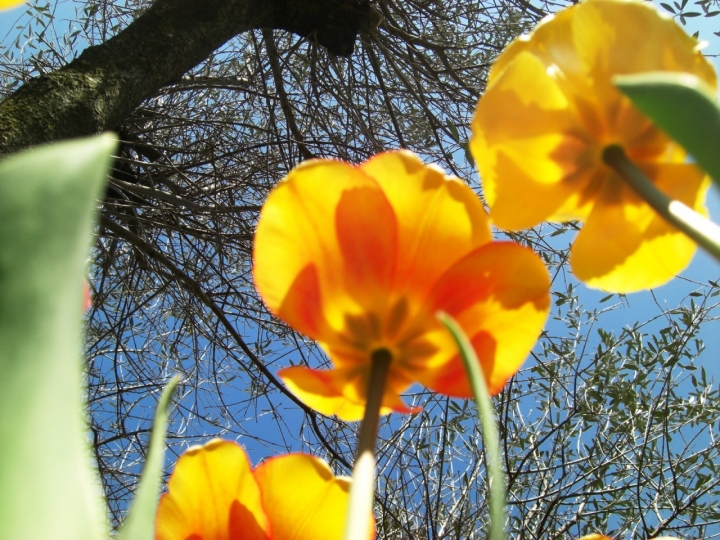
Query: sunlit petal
x=500, y=296
x=7, y=4
x=608, y=43
x=531, y=151
x=625, y=246
x=338, y=392
x=439, y=218
x=212, y=495
x=303, y=499
x=324, y=247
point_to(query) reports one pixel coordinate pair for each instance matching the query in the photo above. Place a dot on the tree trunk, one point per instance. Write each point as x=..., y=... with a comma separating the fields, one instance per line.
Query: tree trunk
x=107, y=82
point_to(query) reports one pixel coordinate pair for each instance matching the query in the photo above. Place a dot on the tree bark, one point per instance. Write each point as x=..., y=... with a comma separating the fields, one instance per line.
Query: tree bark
x=107, y=82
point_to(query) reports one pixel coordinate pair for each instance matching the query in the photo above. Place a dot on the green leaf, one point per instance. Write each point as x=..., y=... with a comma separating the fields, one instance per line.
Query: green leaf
x=684, y=107
x=454, y=133
x=48, y=487
x=468, y=153
x=488, y=421
x=140, y=523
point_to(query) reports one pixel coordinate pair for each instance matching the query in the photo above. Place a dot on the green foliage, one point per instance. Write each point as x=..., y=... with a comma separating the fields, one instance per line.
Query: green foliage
x=140, y=523
x=683, y=10
x=48, y=488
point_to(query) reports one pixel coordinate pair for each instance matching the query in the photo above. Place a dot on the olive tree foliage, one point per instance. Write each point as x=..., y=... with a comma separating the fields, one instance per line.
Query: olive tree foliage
x=610, y=427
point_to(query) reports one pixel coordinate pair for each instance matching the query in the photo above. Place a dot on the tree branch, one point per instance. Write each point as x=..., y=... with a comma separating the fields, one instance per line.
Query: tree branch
x=107, y=82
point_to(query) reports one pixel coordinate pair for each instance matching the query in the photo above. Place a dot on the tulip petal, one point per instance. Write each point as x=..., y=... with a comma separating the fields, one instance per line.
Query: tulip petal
x=608, y=43
x=316, y=389
x=304, y=501
x=625, y=246
x=324, y=247
x=212, y=494
x=499, y=294
x=339, y=392
x=602, y=34
x=531, y=151
x=439, y=219
x=7, y=4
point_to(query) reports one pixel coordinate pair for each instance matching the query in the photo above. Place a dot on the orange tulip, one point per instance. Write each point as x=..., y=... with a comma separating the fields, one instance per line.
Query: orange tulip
x=361, y=258
x=213, y=494
x=87, y=301
x=549, y=111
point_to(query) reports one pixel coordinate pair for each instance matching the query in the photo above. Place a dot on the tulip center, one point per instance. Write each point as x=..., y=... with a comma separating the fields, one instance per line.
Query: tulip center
x=612, y=153
x=381, y=355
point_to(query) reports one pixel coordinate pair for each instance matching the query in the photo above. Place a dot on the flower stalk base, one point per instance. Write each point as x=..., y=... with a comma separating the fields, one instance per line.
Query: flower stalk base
x=362, y=490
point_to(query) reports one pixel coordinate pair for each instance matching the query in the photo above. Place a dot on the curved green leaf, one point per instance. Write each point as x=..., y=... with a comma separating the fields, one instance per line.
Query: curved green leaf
x=140, y=523
x=488, y=421
x=684, y=107
x=48, y=487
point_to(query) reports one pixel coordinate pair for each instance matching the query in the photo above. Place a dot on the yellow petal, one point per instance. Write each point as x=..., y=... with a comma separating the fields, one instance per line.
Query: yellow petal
x=7, y=4
x=439, y=219
x=531, y=150
x=316, y=389
x=500, y=296
x=595, y=536
x=304, y=501
x=212, y=495
x=324, y=247
x=603, y=35
x=608, y=43
x=339, y=392
x=625, y=246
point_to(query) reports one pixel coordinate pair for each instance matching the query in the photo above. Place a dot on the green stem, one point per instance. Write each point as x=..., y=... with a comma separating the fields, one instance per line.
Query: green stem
x=140, y=522
x=362, y=489
x=486, y=414
x=697, y=227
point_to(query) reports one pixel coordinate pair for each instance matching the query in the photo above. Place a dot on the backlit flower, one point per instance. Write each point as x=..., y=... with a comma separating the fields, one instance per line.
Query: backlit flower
x=214, y=494
x=549, y=111
x=361, y=258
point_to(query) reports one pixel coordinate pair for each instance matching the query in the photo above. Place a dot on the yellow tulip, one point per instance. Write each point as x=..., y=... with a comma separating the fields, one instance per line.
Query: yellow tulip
x=549, y=111
x=214, y=494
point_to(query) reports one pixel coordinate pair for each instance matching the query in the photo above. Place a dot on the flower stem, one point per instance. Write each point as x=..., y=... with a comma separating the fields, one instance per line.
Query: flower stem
x=487, y=416
x=362, y=489
x=697, y=227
